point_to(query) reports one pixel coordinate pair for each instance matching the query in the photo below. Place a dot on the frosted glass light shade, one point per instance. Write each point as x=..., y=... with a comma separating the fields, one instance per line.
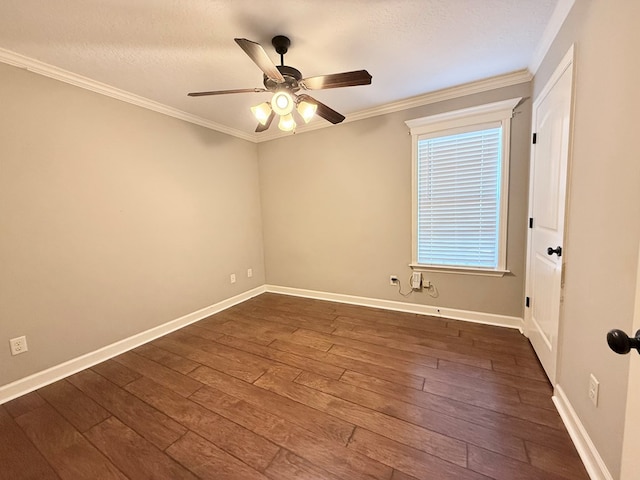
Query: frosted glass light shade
x=262, y=112
x=287, y=123
x=307, y=110
x=282, y=103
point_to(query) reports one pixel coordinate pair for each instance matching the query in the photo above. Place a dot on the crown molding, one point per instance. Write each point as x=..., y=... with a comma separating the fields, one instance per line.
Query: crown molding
x=559, y=15
x=492, y=83
x=41, y=68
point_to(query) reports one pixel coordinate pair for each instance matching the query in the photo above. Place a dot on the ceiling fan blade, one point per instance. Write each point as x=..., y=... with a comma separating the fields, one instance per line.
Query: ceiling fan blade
x=337, y=80
x=262, y=128
x=260, y=58
x=224, y=92
x=323, y=111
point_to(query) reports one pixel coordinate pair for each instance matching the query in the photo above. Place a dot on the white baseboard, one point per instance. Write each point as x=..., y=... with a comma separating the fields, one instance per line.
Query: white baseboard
x=50, y=375
x=592, y=460
x=451, y=313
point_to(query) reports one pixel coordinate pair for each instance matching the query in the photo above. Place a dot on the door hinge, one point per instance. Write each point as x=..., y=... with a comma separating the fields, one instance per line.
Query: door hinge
x=535, y=138
x=530, y=222
x=526, y=302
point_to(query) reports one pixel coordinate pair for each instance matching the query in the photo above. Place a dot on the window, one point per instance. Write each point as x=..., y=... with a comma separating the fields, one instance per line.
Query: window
x=460, y=189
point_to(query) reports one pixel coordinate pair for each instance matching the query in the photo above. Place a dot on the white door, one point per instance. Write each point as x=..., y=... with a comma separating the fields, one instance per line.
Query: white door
x=631, y=443
x=548, y=185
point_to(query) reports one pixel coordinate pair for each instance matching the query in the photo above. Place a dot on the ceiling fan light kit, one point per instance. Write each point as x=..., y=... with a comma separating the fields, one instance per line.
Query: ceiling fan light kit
x=285, y=82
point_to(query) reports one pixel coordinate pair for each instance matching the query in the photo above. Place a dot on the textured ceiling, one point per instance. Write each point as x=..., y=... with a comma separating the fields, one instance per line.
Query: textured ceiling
x=162, y=49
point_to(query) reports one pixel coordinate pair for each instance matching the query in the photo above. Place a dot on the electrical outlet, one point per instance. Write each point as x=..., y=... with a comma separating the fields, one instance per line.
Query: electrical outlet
x=393, y=280
x=18, y=345
x=249, y=272
x=232, y=278
x=594, y=389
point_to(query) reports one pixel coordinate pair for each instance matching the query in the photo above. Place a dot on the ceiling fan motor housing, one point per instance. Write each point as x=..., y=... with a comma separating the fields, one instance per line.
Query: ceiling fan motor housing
x=291, y=76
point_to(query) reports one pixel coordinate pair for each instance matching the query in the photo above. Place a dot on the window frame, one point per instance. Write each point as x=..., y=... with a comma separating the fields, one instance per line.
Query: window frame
x=448, y=123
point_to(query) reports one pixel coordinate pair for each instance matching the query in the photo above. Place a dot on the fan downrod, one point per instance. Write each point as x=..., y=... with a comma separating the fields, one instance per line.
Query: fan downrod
x=281, y=44
x=291, y=75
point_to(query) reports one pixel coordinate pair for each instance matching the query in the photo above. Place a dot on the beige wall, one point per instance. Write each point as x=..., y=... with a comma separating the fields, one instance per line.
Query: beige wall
x=336, y=208
x=603, y=212
x=113, y=220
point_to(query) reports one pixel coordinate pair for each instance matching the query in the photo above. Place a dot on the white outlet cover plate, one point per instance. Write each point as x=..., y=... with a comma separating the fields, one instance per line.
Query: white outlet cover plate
x=18, y=345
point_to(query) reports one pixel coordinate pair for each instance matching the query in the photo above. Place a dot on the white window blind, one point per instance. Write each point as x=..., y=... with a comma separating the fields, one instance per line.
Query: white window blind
x=459, y=186
x=460, y=189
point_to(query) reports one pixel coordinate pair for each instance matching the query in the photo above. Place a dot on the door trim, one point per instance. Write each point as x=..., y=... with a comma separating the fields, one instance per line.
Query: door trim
x=631, y=436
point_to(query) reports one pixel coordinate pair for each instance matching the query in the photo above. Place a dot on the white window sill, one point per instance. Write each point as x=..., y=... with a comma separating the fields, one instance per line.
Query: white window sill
x=459, y=270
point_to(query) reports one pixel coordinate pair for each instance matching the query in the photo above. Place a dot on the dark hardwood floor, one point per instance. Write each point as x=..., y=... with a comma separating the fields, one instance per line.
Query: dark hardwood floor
x=286, y=388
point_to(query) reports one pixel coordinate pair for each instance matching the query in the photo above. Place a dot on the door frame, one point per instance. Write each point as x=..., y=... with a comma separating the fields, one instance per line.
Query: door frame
x=567, y=63
x=631, y=439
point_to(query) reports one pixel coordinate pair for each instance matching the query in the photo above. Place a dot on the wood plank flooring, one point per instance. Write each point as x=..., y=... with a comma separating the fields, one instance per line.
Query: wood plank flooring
x=285, y=388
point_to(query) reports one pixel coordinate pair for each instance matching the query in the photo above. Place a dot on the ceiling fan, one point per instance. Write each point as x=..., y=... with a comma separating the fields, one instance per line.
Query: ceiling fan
x=285, y=82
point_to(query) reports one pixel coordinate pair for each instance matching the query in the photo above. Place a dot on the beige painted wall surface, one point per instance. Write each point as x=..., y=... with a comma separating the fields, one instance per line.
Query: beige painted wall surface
x=113, y=220
x=603, y=212
x=337, y=211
